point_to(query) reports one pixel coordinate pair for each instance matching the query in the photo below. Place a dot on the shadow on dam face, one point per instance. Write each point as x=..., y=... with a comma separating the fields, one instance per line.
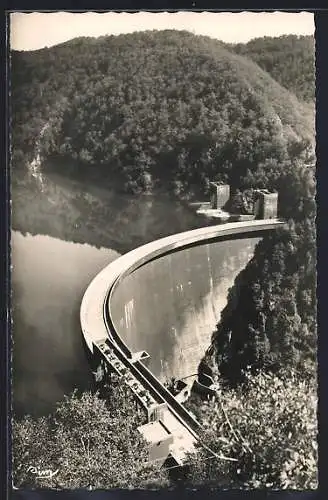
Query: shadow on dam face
x=170, y=306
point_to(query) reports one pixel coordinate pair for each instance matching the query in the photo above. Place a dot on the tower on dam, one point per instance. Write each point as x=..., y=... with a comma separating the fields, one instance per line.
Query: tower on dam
x=266, y=204
x=223, y=206
x=219, y=194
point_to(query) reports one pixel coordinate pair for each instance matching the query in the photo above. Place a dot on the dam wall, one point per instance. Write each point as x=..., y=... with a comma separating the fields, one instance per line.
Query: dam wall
x=170, y=306
x=164, y=297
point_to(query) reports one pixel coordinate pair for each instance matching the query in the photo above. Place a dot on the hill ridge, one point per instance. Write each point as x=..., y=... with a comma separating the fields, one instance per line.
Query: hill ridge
x=137, y=102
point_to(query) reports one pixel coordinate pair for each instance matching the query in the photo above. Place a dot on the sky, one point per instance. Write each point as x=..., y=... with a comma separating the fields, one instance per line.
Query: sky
x=35, y=30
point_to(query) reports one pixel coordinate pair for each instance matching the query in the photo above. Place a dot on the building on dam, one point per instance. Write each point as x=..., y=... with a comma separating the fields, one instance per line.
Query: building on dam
x=265, y=204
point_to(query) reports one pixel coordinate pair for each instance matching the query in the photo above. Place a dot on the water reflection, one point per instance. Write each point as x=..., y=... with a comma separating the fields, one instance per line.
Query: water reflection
x=79, y=211
x=49, y=278
x=168, y=307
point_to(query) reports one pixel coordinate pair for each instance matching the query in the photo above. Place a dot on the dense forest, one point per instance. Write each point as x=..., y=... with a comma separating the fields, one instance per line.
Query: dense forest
x=289, y=59
x=268, y=425
x=154, y=107
x=174, y=109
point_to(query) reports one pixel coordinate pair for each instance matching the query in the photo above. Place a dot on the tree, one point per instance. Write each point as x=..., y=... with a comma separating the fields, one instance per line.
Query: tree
x=89, y=442
x=211, y=114
x=264, y=434
x=289, y=59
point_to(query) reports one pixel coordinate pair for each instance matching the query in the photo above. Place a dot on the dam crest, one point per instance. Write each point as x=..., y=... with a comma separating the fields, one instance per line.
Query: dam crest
x=109, y=322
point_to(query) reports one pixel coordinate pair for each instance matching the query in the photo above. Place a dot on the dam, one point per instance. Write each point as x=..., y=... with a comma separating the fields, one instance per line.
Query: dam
x=152, y=311
x=170, y=306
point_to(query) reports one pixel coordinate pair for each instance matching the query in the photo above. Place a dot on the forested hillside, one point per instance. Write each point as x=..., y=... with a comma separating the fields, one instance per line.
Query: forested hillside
x=171, y=108
x=289, y=59
x=270, y=319
x=148, y=106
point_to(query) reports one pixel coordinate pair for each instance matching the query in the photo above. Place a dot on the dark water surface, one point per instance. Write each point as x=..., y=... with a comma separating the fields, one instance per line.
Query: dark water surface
x=79, y=211
x=169, y=307
x=49, y=278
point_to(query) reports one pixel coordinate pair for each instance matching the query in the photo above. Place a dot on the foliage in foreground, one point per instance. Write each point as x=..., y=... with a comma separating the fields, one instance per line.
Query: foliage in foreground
x=269, y=425
x=90, y=443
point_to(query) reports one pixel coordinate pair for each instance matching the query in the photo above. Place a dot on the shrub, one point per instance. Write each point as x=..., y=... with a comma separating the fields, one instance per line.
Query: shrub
x=85, y=444
x=269, y=426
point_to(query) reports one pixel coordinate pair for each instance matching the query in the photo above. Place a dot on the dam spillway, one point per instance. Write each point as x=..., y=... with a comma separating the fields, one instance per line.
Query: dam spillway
x=170, y=307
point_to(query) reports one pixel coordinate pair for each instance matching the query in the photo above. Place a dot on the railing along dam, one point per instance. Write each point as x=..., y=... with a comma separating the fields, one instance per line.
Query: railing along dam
x=165, y=298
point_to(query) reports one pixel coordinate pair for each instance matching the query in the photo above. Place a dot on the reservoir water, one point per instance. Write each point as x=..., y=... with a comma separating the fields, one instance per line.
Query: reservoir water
x=169, y=307
x=49, y=277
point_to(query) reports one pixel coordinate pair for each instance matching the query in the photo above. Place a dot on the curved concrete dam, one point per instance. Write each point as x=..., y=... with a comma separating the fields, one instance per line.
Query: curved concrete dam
x=166, y=297
x=168, y=294
x=170, y=306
